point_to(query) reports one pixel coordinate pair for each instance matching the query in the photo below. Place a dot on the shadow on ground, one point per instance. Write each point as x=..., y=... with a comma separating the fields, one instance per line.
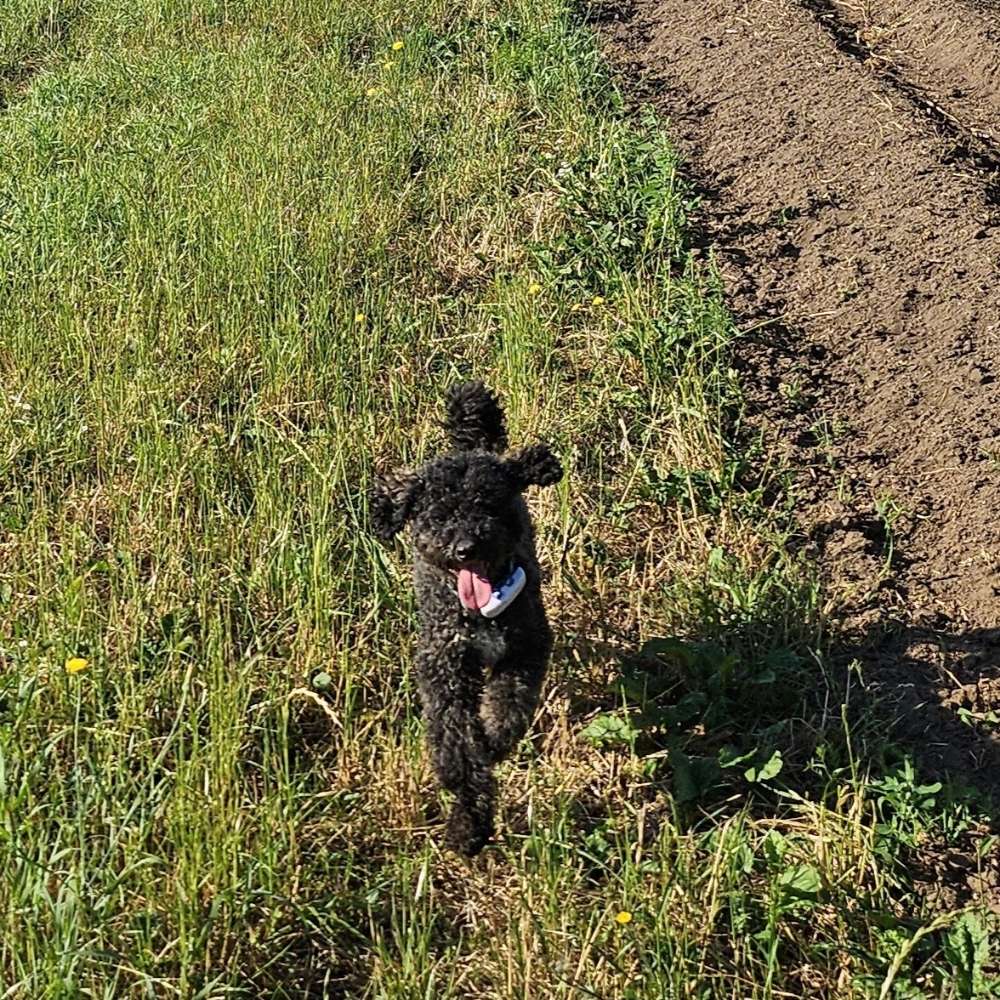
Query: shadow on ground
x=898, y=709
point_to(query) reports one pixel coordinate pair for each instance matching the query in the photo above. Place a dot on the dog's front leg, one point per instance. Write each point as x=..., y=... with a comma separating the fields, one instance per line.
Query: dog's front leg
x=510, y=699
x=450, y=682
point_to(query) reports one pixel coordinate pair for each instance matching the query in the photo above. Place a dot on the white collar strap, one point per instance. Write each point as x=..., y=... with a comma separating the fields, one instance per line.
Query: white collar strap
x=504, y=593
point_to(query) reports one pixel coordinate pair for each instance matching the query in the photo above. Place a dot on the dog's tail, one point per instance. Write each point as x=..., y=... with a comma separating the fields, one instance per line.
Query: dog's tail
x=474, y=419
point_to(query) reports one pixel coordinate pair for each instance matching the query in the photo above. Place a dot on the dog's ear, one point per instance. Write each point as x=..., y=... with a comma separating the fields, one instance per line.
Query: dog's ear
x=474, y=420
x=534, y=466
x=392, y=501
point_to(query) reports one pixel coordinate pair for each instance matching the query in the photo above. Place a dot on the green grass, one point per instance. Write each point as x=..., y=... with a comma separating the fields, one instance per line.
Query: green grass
x=244, y=247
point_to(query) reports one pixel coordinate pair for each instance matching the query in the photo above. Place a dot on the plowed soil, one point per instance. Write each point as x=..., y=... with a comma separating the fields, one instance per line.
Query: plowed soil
x=849, y=155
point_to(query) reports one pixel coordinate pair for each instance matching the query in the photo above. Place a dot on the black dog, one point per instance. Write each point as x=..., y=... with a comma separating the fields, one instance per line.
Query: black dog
x=484, y=640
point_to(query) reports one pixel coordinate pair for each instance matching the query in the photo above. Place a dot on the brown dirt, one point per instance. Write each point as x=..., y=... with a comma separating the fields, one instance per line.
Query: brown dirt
x=849, y=153
x=949, y=51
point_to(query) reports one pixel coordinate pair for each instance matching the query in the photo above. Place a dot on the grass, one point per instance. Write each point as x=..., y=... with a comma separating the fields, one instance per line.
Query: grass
x=244, y=247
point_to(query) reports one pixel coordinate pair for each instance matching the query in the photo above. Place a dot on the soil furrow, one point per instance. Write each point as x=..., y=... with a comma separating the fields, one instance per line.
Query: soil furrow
x=854, y=213
x=919, y=53
x=950, y=51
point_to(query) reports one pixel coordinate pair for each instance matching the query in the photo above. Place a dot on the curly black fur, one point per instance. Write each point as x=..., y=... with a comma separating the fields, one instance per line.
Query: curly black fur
x=478, y=678
x=474, y=419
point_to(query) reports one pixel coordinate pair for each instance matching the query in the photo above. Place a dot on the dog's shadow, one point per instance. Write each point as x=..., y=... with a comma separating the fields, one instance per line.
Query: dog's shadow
x=709, y=714
x=672, y=695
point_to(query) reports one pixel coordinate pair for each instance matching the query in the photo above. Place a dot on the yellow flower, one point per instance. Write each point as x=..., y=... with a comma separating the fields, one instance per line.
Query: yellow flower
x=371, y=91
x=360, y=317
x=597, y=300
x=623, y=917
x=534, y=288
x=76, y=665
x=388, y=64
x=396, y=46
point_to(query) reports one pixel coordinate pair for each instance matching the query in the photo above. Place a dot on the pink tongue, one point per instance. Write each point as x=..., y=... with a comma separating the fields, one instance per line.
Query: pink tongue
x=474, y=591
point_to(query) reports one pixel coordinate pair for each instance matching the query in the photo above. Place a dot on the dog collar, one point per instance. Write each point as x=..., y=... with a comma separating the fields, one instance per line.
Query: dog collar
x=504, y=593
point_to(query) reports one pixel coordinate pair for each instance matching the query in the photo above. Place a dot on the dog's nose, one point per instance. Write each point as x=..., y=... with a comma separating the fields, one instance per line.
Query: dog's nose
x=465, y=548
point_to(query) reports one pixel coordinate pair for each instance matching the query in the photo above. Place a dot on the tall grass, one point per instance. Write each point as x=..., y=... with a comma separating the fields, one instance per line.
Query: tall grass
x=244, y=247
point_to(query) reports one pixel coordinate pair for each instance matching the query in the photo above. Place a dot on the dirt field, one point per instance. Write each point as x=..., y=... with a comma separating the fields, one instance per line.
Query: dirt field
x=849, y=155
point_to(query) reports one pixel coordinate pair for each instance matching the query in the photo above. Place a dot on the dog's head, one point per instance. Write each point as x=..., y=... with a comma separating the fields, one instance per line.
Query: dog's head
x=464, y=508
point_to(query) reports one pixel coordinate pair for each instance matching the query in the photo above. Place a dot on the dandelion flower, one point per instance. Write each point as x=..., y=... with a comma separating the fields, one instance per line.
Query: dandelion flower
x=371, y=91
x=534, y=288
x=76, y=665
x=388, y=64
x=597, y=300
x=397, y=45
x=623, y=917
x=360, y=317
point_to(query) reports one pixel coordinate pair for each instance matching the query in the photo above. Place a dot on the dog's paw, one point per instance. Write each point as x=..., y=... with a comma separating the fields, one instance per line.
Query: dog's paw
x=465, y=835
